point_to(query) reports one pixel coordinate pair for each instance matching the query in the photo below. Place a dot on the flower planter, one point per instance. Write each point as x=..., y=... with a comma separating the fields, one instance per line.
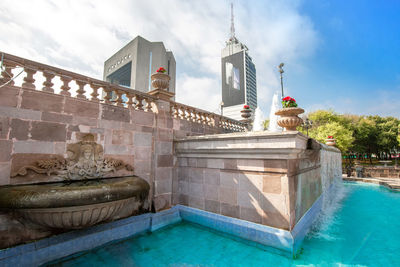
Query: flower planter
x=246, y=113
x=160, y=80
x=289, y=118
x=330, y=142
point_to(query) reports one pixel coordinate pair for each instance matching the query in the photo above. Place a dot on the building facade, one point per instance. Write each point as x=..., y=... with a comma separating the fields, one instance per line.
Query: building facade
x=133, y=65
x=239, y=86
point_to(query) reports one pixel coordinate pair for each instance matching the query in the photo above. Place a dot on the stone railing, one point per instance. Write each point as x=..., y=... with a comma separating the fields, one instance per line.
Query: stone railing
x=85, y=87
x=80, y=86
x=204, y=117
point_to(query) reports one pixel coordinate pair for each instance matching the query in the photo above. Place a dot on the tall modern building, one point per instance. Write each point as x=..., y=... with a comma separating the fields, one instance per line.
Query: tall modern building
x=133, y=64
x=239, y=85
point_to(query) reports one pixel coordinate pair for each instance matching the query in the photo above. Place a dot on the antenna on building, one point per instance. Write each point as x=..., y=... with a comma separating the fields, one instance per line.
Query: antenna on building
x=232, y=24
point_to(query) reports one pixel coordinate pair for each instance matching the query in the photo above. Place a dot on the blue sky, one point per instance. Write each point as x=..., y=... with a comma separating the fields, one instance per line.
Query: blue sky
x=356, y=66
x=342, y=55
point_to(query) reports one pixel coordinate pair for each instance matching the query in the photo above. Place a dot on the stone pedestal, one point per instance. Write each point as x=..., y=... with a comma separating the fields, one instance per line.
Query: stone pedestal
x=162, y=94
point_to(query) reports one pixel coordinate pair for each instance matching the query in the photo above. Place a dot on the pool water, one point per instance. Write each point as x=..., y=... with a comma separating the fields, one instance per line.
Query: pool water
x=362, y=229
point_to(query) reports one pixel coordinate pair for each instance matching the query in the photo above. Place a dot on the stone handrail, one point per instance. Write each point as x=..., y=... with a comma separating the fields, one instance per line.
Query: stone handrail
x=189, y=113
x=112, y=93
x=105, y=92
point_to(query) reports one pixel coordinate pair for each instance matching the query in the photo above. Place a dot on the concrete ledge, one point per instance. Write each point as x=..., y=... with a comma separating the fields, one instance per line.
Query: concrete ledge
x=52, y=248
x=165, y=218
x=265, y=235
x=391, y=183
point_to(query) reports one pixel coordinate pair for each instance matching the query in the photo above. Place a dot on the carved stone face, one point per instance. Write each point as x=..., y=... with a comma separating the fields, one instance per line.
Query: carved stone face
x=87, y=153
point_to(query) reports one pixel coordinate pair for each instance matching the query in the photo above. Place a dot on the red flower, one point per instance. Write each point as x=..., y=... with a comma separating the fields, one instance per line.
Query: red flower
x=246, y=106
x=286, y=98
x=161, y=69
x=330, y=137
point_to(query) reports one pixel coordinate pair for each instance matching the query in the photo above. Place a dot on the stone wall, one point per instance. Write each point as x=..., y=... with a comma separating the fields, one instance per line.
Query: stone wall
x=36, y=124
x=266, y=178
x=39, y=125
x=384, y=172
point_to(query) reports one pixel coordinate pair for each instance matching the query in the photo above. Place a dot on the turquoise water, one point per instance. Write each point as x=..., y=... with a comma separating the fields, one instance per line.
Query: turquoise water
x=363, y=229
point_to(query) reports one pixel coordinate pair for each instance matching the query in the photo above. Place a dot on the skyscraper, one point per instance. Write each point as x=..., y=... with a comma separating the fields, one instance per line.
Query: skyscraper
x=133, y=64
x=239, y=85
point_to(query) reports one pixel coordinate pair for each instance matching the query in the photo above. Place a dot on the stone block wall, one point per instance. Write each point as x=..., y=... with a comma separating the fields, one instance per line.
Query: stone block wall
x=384, y=172
x=38, y=125
x=266, y=178
x=255, y=190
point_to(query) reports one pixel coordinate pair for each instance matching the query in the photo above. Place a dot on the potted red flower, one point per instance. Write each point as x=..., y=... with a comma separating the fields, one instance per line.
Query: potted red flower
x=246, y=112
x=330, y=141
x=289, y=114
x=160, y=80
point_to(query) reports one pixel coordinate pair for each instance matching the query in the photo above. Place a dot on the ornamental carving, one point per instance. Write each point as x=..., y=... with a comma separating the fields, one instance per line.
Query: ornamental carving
x=85, y=161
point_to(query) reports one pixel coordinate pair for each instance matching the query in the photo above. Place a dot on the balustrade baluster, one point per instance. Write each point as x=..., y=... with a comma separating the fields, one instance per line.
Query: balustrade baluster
x=176, y=111
x=130, y=100
x=65, y=87
x=7, y=75
x=29, y=80
x=200, y=117
x=147, y=107
x=139, y=104
x=81, y=90
x=47, y=84
x=108, y=94
x=95, y=87
x=119, y=99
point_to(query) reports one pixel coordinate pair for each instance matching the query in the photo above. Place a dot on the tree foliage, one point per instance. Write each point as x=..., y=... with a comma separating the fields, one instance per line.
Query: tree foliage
x=361, y=134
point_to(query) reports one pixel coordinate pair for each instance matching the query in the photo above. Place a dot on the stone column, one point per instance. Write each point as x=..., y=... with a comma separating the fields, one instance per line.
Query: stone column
x=163, y=155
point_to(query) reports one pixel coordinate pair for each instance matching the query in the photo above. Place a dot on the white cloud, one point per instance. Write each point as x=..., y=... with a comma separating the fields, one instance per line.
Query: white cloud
x=81, y=35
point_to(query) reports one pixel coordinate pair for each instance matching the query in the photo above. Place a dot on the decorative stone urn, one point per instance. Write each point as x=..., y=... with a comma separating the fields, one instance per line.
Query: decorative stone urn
x=160, y=81
x=330, y=142
x=289, y=118
x=246, y=114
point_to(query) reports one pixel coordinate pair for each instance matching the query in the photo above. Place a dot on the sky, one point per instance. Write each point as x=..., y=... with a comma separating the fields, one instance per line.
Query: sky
x=339, y=55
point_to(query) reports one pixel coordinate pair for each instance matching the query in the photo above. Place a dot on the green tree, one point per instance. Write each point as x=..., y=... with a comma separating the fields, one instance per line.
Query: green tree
x=366, y=136
x=344, y=136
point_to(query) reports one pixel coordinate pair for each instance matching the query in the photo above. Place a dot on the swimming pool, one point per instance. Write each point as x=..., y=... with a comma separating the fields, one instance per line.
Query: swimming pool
x=360, y=229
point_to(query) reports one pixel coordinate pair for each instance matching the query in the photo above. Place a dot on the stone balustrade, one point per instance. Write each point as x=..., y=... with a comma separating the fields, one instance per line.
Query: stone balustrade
x=100, y=91
x=189, y=113
x=87, y=88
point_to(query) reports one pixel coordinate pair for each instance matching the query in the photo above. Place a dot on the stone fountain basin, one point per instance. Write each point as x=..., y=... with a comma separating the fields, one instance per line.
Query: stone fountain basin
x=74, y=205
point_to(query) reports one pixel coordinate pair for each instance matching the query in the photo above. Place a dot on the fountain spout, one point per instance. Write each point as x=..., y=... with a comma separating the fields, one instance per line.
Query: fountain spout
x=273, y=125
